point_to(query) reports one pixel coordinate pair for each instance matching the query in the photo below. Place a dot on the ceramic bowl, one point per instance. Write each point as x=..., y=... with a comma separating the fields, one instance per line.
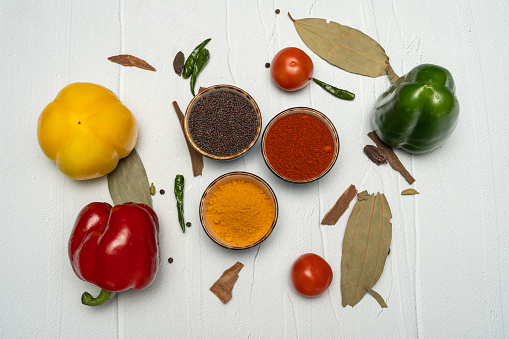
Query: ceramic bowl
x=314, y=113
x=225, y=179
x=221, y=88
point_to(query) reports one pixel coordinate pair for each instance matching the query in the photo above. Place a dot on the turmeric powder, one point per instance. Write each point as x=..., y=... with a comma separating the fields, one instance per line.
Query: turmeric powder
x=240, y=213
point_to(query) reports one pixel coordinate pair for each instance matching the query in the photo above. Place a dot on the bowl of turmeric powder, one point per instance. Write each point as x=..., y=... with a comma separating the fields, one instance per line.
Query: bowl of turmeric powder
x=238, y=210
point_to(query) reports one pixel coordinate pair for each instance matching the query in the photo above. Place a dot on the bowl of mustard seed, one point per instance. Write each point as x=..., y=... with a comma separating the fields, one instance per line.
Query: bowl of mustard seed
x=222, y=122
x=238, y=210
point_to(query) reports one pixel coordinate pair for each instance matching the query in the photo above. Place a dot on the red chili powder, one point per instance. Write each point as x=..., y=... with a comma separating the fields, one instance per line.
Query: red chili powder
x=299, y=146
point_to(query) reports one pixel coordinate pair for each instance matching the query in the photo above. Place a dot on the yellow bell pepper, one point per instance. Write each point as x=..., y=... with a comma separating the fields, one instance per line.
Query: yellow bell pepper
x=86, y=130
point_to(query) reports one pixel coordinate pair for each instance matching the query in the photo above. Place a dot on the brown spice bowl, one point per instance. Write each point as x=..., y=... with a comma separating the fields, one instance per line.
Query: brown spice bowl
x=225, y=179
x=254, y=127
x=312, y=112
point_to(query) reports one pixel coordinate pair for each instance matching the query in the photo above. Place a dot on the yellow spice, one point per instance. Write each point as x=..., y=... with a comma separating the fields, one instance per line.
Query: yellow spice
x=240, y=213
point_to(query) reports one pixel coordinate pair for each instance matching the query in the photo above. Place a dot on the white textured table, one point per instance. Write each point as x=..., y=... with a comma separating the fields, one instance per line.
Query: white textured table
x=447, y=273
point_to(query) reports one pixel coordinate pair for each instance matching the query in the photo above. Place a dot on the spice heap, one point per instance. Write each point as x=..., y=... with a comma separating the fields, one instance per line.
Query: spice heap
x=299, y=146
x=240, y=213
x=223, y=123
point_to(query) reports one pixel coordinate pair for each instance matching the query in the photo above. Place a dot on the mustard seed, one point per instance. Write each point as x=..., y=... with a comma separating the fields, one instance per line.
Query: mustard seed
x=223, y=123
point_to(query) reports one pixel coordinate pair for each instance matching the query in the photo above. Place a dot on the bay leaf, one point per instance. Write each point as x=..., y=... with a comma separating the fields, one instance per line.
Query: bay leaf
x=366, y=244
x=344, y=46
x=129, y=182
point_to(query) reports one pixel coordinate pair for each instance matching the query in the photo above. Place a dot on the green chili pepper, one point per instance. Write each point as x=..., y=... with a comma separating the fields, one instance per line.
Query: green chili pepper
x=179, y=195
x=201, y=61
x=338, y=93
x=191, y=59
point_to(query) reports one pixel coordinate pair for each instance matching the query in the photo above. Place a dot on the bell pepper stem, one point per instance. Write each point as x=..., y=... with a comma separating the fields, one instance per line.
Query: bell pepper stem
x=87, y=299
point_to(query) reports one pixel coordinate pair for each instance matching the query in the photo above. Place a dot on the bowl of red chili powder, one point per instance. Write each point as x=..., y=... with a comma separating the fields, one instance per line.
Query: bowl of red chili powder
x=222, y=122
x=300, y=145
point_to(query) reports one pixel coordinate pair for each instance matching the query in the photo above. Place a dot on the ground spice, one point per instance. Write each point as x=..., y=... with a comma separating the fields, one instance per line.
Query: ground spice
x=240, y=213
x=223, y=123
x=299, y=146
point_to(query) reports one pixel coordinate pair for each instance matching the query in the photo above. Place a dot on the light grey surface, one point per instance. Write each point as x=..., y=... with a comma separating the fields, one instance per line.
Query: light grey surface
x=447, y=272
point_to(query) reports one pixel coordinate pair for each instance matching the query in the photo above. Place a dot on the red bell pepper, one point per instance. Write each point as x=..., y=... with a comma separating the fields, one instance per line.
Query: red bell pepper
x=115, y=248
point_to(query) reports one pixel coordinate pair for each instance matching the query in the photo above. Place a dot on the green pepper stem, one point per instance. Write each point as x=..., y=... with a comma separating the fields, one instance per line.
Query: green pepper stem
x=87, y=299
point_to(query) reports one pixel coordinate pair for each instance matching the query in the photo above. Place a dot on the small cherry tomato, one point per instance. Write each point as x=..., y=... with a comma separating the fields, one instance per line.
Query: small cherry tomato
x=291, y=69
x=311, y=275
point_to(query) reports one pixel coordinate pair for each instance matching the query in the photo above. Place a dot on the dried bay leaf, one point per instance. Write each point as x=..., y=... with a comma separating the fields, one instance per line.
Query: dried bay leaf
x=130, y=60
x=366, y=245
x=129, y=182
x=345, y=47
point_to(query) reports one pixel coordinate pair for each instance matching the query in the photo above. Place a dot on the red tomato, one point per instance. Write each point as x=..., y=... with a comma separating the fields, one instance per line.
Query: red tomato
x=291, y=69
x=311, y=275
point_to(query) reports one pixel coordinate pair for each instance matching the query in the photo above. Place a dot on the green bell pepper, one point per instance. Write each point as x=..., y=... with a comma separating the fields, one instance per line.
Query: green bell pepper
x=419, y=111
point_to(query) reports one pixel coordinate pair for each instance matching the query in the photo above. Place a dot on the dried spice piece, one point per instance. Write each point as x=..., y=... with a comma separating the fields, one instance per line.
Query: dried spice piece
x=366, y=245
x=375, y=154
x=178, y=63
x=344, y=47
x=152, y=189
x=196, y=158
x=188, y=224
x=129, y=61
x=223, y=287
x=161, y=192
x=391, y=157
x=332, y=217
x=267, y=65
x=170, y=260
x=409, y=191
x=129, y=182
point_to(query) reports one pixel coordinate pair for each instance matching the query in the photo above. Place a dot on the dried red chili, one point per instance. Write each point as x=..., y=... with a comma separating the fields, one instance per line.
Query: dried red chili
x=299, y=146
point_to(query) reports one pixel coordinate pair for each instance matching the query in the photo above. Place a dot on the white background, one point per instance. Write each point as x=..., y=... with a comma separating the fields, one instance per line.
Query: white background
x=447, y=273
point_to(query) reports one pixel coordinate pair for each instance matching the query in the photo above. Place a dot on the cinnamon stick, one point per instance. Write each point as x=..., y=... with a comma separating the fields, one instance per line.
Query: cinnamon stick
x=391, y=157
x=223, y=287
x=196, y=158
x=332, y=217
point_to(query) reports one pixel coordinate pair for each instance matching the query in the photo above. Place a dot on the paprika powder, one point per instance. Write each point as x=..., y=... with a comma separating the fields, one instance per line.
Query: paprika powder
x=299, y=146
